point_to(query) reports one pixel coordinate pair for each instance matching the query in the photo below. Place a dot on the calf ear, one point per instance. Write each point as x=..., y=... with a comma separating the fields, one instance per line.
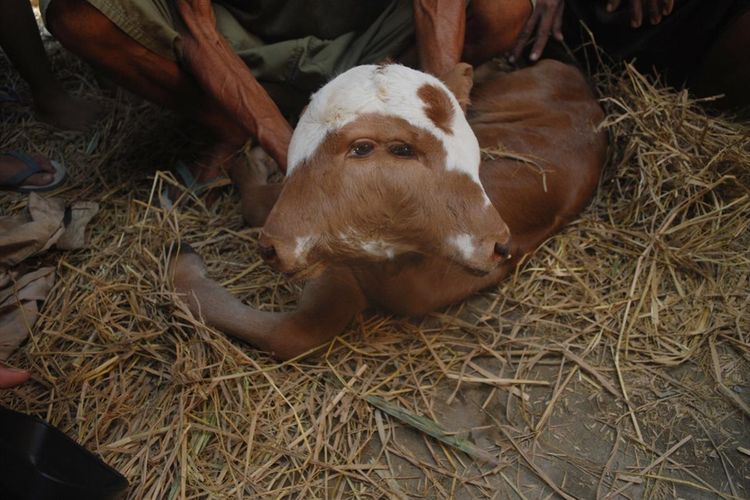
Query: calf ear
x=460, y=80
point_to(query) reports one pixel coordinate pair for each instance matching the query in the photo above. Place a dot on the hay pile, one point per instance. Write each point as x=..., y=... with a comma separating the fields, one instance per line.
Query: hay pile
x=653, y=275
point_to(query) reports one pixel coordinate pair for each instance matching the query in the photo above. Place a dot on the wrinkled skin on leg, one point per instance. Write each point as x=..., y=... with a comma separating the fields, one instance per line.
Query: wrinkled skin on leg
x=223, y=75
x=89, y=34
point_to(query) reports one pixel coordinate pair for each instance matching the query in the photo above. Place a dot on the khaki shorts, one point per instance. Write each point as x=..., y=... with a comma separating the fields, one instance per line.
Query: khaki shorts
x=298, y=44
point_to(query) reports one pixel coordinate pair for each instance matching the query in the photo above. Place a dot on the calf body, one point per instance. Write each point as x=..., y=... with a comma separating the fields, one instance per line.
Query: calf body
x=389, y=204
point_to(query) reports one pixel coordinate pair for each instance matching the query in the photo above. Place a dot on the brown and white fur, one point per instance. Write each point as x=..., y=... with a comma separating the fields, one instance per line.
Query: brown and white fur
x=388, y=204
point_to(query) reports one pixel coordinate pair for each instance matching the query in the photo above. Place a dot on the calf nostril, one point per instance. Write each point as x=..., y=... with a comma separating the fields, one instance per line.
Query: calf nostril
x=267, y=252
x=502, y=251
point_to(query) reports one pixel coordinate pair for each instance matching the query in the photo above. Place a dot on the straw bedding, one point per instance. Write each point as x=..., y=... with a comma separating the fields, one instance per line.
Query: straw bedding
x=632, y=322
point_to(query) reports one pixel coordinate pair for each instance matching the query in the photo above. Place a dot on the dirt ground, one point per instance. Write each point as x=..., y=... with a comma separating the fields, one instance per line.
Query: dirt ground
x=162, y=398
x=690, y=447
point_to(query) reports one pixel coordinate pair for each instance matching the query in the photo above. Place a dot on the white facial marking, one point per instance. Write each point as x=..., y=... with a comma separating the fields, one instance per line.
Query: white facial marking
x=389, y=90
x=487, y=202
x=379, y=248
x=303, y=245
x=463, y=243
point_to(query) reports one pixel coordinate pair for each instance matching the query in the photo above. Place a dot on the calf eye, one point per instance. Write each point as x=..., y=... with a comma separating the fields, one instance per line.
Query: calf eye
x=402, y=150
x=361, y=149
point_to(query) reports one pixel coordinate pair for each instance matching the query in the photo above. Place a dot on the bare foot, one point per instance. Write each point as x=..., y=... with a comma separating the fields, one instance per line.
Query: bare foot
x=216, y=160
x=207, y=172
x=11, y=166
x=255, y=171
x=55, y=106
x=10, y=377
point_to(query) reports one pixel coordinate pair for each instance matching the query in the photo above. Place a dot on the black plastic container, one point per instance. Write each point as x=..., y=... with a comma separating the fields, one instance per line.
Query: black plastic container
x=38, y=462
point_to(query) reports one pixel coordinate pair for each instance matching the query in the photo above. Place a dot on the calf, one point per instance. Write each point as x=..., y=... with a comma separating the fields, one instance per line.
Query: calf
x=387, y=201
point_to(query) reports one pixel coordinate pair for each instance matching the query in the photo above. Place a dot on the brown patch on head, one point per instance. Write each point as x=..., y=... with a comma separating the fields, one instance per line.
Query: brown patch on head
x=340, y=207
x=438, y=106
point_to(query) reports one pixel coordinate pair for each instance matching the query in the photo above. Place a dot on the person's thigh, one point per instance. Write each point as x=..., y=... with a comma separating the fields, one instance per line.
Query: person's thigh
x=726, y=66
x=492, y=27
x=673, y=48
x=151, y=23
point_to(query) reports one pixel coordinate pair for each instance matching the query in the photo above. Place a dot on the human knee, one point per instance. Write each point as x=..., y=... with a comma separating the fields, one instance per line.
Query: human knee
x=493, y=27
x=74, y=22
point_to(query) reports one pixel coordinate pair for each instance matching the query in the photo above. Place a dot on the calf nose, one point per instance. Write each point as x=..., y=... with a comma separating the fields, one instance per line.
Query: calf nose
x=267, y=252
x=502, y=250
x=285, y=254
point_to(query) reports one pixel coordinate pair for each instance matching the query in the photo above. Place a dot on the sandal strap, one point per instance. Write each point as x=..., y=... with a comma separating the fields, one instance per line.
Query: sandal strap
x=190, y=182
x=185, y=175
x=32, y=167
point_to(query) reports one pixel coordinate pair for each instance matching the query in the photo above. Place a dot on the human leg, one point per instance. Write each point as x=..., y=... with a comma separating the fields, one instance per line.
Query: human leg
x=726, y=67
x=19, y=38
x=87, y=32
x=11, y=377
x=703, y=45
x=12, y=167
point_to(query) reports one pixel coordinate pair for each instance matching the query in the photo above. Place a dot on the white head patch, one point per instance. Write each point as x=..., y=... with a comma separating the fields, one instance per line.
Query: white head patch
x=390, y=90
x=303, y=245
x=464, y=244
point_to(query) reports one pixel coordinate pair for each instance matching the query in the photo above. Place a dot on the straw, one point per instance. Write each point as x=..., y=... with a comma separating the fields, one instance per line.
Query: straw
x=639, y=309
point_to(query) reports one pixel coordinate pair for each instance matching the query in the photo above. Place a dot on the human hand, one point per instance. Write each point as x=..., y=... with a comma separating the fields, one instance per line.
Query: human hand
x=657, y=9
x=545, y=20
x=196, y=11
x=11, y=377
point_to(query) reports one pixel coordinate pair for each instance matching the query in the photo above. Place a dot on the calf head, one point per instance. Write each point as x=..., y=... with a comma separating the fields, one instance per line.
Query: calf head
x=383, y=163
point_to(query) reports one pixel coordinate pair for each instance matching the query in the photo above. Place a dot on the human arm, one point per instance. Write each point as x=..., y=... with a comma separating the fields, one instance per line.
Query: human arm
x=229, y=81
x=441, y=28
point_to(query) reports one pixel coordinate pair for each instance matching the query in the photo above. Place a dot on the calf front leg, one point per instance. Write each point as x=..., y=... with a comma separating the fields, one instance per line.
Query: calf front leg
x=257, y=196
x=327, y=305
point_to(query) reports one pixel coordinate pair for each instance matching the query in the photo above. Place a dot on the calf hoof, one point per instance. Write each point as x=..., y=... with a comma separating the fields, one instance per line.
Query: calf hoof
x=460, y=80
x=185, y=247
x=254, y=169
x=185, y=268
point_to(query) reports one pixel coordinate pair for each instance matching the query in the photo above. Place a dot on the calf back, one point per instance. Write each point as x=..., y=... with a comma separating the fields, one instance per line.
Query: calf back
x=542, y=145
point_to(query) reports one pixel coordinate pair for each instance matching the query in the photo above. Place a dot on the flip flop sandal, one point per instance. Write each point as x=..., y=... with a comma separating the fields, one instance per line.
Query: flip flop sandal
x=16, y=183
x=189, y=183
